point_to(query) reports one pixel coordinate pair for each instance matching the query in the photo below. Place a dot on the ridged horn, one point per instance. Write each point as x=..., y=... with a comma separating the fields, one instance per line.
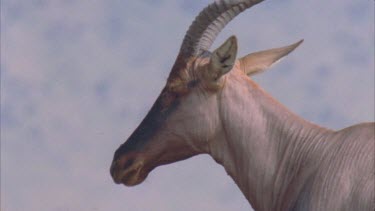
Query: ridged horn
x=207, y=25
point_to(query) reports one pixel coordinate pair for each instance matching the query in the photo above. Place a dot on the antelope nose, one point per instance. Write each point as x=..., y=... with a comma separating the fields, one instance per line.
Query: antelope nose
x=115, y=172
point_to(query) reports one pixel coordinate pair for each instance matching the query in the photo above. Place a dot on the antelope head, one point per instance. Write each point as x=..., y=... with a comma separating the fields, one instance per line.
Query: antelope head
x=184, y=121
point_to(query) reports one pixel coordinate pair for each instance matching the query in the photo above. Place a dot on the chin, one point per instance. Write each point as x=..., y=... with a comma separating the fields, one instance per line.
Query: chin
x=134, y=177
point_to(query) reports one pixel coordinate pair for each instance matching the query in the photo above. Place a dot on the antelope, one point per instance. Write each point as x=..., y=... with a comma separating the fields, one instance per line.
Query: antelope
x=278, y=160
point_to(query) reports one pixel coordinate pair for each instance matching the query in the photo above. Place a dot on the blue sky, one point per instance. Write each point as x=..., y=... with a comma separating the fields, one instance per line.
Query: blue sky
x=77, y=77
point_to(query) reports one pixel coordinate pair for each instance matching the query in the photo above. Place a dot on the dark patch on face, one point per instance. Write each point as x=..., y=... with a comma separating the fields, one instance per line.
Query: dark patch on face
x=153, y=121
x=166, y=103
x=192, y=84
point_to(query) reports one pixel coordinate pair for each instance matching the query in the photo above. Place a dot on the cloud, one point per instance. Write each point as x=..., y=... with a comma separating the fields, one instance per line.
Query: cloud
x=77, y=78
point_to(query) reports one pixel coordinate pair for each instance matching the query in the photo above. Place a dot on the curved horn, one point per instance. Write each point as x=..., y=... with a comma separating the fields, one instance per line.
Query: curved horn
x=210, y=22
x=207, y=25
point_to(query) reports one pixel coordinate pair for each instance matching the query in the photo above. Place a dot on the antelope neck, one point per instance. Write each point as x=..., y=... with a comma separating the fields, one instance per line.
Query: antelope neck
x=263, y=146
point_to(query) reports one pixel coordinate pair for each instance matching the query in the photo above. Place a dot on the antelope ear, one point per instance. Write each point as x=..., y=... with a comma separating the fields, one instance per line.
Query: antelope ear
x=223, y=59
x=259, y=61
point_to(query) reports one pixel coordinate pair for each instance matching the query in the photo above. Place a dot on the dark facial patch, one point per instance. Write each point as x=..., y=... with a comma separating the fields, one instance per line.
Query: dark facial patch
x=166, y=103
x=192, y=84
x=153, y=121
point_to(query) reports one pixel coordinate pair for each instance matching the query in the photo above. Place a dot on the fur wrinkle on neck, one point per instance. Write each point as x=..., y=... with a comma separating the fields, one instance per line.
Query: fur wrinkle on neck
x=260, y=138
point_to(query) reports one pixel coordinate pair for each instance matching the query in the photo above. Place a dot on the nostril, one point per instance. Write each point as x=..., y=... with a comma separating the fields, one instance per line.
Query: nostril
x=128, y=163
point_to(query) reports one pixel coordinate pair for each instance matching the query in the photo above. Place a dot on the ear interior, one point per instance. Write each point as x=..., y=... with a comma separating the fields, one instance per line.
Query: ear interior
x=223, y=58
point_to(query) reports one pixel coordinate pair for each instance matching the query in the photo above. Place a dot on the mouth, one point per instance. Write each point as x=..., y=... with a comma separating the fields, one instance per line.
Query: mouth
x=132, y=175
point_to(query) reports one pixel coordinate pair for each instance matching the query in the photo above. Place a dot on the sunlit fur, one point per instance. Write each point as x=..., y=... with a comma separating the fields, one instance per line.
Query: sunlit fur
x=282, y=162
